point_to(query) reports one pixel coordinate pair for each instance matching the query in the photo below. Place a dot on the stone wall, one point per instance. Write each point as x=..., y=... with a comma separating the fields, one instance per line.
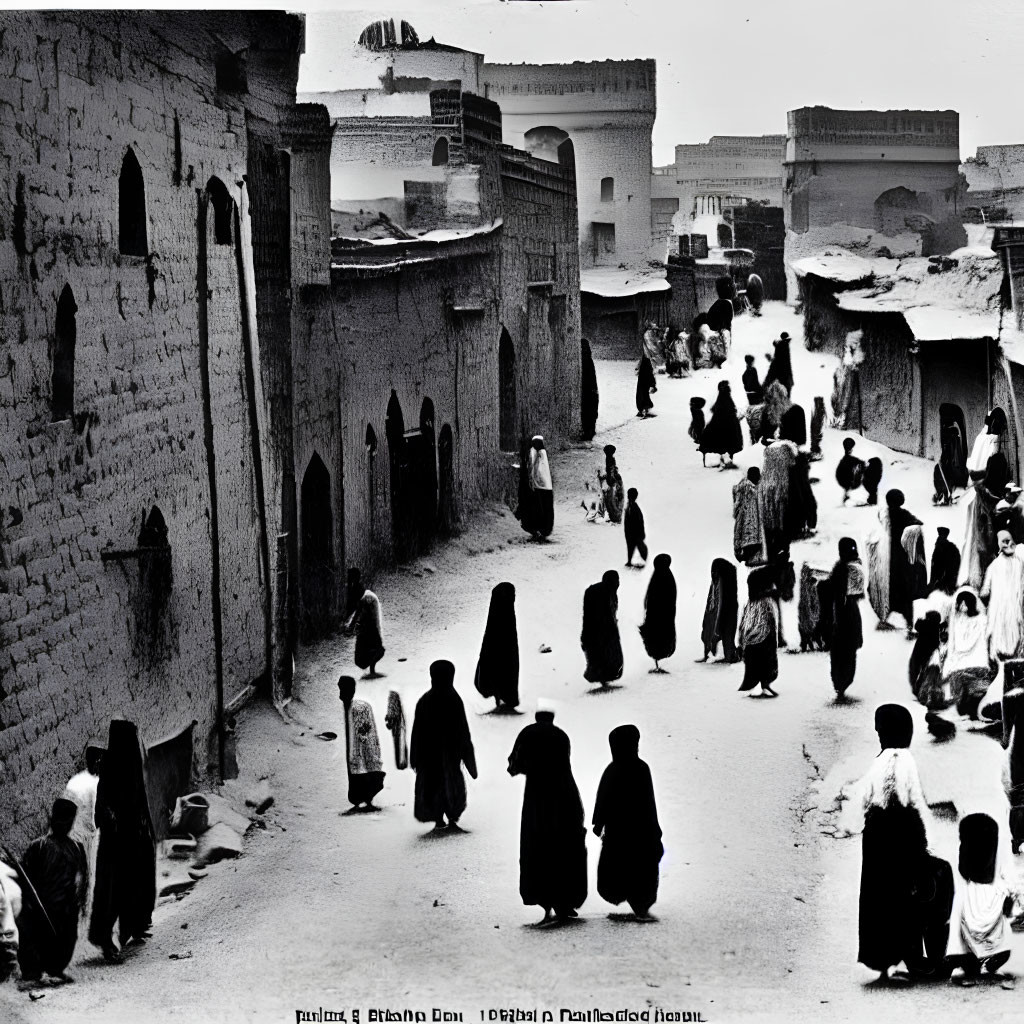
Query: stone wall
x=165, y=393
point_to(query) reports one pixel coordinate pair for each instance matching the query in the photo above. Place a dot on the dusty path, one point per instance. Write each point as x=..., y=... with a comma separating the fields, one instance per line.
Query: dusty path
x=757, y=907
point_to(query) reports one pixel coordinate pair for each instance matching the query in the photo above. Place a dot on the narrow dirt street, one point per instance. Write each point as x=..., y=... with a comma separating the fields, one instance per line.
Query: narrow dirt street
x=757, y=910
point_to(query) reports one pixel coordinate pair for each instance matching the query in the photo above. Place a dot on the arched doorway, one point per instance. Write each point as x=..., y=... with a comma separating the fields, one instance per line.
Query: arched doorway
x=953, y=444
x=402, y=527
x=316, y=552
x=508, y=431
x=425, y=460
x=446, y=481
x=62, y=375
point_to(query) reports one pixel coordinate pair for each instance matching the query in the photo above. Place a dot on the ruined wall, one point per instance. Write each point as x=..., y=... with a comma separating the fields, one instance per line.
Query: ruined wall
x=392, y=327
x=85, y=640
x=825, y=324
x=890, y=382
x=540, y=293
x=614, y=326
x=607, y=108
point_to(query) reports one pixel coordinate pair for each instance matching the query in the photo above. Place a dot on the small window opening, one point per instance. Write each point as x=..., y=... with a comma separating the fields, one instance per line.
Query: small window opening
x=371, y=440
x=230, y=72
x=223, y=208
x=62, y=382
x=607, y=190
x=440, y=156
x=131, y=207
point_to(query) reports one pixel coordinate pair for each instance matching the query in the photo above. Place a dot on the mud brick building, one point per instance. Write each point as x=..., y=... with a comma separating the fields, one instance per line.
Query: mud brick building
x=137, y=256
x=883, y=182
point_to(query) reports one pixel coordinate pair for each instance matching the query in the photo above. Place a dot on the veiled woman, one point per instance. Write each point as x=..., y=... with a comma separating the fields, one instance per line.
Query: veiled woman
x=846, y=590
x=369, y=640
x=438, y=748
x=801, y=515
x=723, y=434
x=613, y=492
x=896, y=925
x=497, y=669
x=774, y=489
x=552, y=836
x=659, y=626
x=720, y=611
x=968, y=668
x=889, y=577
x=599, y=637
x=748, y=540
x=626, y=819
x=125, y=889
x=759, y=634
x=781, y=367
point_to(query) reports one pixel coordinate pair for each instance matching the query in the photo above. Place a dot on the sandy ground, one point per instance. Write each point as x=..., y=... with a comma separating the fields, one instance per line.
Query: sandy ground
x=758, y=902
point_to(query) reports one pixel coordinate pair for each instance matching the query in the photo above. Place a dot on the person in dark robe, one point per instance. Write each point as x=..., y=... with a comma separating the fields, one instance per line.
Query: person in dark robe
x=552, y=833
x=125, y=887
x=722, y=310
x=906, y=895
x=950, y=471
x=1013, y=740
x=872, y=478
x=659, y=626
x=793, y=426
x=720, y=612
x=645, y=384
x=751, y=383
x=542, y=498
x=525, y=508
x=926, y=643
x=697, y=424
x=589, y=396
x=362, y=748
x=945, y=568
x=626, y=820
x=755, y=294
x=55, y=865
x=723, y=434
x=635, y=531
x=497, y=669
x=759, y=634
x=902, y=576
x=850, y=469
x=369, y=634
x=599, y=637
x=438, y=748
x=817, y=427
x=781, y=367
x=846, y=590
x=613, y=492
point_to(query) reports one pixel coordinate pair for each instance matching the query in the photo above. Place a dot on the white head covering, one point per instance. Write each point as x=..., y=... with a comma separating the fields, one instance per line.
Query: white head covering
x=545, y=706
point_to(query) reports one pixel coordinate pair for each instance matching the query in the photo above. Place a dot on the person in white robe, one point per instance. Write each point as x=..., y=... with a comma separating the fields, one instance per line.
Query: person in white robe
x=81, y=790
x=1003, y=591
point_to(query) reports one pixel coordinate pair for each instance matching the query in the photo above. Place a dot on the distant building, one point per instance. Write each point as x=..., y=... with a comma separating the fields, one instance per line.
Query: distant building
x=885, y=182
x=995, y=185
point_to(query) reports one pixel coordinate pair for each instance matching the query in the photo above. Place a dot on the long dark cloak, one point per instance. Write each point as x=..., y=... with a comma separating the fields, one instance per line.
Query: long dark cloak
x=631, y=847
x=849, y=472
x=801, y=513
x=901, y=577
x=846, y=635
x=793, y=426
x=894, y=854
x=645, y=383
x=659, y=626
x=369, y=647
x=552, y=836
x=439, y=746
x=589, y=396
x=525, y=509
x=125, y=888
x=720, y=314
x=945, y=566
x=723, y=433
x=721, y=610
x=633, y=523
x=781, y=368
x=497, y=670
x=599, y=637
x=57, y=868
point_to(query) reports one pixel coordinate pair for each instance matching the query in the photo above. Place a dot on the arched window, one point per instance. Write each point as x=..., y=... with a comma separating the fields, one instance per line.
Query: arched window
x=317, y=519
x=223, y=208
x=131, y=207
x=62, y=380
x=506, y=393
x=607, y=190
x=371, y=440
x=440, y=156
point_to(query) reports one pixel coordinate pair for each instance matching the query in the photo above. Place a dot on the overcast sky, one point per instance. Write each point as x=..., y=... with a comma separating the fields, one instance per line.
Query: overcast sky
x=735, y=68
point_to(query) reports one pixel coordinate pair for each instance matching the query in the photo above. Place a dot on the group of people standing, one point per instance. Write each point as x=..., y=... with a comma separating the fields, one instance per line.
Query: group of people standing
x=95, y=867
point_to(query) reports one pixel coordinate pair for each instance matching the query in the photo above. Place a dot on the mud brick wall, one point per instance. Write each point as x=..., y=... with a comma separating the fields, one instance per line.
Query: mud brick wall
x=539, y=242
x=82, y=640
x=384, y=329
